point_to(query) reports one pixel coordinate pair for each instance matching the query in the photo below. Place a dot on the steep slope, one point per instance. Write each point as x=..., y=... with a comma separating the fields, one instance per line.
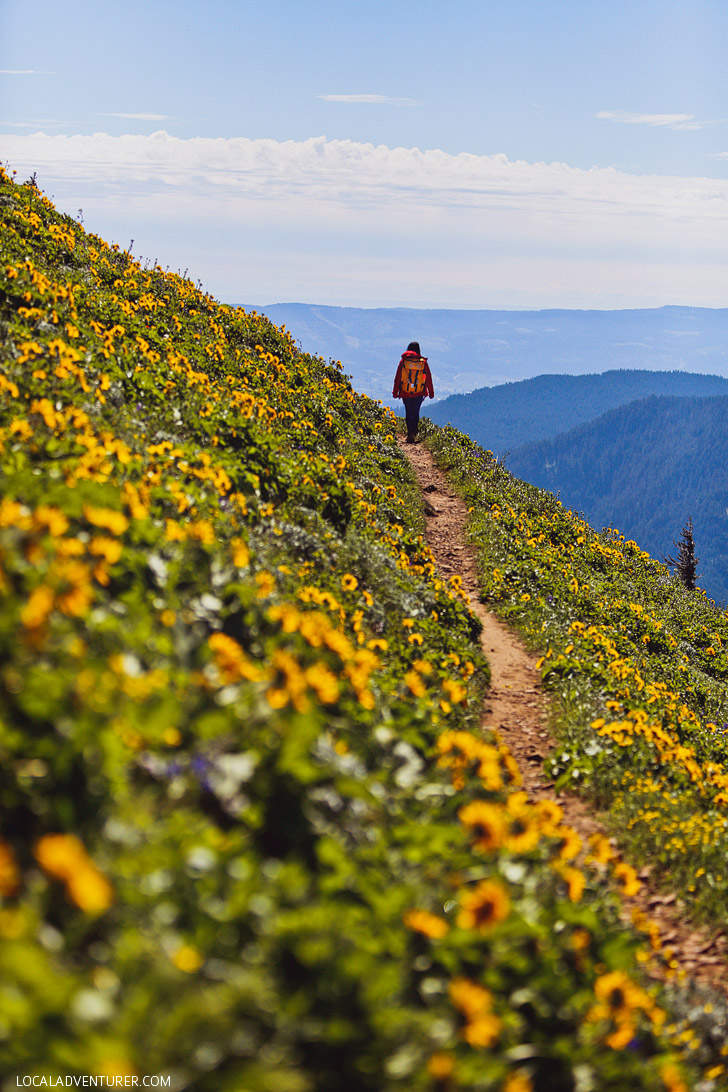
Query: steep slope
x=252, y=834
x=645, y=468
x=504, y=418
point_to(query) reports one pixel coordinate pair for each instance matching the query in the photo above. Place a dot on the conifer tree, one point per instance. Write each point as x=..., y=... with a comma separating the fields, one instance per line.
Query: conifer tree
x=686, y=563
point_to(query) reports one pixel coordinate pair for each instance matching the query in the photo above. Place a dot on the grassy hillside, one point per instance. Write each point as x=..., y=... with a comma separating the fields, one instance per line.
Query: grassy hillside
x=505, y=417
x=638, y=665
x=252, y=835
x=645, y=468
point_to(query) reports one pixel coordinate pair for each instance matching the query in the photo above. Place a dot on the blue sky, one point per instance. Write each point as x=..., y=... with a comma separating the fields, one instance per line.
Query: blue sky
x=522, y=153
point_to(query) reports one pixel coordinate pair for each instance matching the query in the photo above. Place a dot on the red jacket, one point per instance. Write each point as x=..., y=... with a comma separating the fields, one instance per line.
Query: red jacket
x=398, y=392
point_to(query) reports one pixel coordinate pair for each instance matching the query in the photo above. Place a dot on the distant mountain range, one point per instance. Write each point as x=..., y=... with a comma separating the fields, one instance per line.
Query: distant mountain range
x=642, y=447
x=472, y=349
x=646, y=467
x=505, y=417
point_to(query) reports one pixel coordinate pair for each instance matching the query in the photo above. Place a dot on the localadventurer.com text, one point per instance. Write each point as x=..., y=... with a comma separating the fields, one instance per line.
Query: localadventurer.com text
x=127, y=1081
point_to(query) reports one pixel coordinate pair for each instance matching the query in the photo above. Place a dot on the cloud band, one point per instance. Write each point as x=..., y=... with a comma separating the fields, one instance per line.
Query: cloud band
x=329, y=212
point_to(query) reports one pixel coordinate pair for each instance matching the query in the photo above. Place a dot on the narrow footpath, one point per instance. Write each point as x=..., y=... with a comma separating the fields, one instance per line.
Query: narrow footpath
x=517, y=708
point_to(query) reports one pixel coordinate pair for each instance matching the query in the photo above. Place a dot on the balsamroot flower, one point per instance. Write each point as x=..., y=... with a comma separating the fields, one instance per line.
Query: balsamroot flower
x=484, y=907
x=9, y=871
x=421, y=921
x=482, y=1026
x=620, y=1000
x=64, y=857
x=485, y=823
x=107, y=518
x=232, y=661
x=627, y=878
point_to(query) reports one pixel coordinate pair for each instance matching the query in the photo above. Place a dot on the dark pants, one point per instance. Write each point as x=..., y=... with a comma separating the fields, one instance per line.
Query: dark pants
x=412, y=413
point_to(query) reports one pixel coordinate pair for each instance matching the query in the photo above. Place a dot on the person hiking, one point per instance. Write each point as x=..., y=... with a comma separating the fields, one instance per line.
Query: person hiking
x=411, y=383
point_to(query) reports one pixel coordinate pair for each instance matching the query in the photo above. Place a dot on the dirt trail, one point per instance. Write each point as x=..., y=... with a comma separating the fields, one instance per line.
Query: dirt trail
x=516, y=707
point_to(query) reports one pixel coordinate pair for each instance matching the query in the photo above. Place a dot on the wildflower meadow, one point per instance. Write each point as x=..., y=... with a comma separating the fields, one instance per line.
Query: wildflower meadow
x=252, y=834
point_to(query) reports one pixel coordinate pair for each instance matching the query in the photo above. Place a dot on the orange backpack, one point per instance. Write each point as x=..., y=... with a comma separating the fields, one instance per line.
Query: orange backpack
x=414, y=376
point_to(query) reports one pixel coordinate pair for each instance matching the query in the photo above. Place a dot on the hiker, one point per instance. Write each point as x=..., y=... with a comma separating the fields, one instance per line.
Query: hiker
x=411, y=383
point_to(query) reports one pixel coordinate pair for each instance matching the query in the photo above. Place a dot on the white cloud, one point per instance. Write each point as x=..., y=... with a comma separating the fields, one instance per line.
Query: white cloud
x=364, y=177
x=35, y=124
x=376, y=100
x=325, y=219
x=667, y=121
x=136, y=117
x=26, y=72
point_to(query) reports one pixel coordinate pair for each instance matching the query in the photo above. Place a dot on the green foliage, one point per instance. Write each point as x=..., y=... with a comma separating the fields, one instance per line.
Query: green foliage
x=643, y=468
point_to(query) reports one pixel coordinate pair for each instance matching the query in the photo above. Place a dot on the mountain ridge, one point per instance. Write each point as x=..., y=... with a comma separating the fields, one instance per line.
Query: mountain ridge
x=471, y=349
x=503, y=418
x=645, y=467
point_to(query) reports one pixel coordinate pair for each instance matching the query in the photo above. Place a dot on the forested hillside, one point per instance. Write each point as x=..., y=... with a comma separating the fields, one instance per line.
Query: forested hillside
x=254, y=835
x=645, y=468
x=505, y=417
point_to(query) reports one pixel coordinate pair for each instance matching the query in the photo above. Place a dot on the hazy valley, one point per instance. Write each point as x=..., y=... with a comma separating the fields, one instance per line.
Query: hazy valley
x=472, y=349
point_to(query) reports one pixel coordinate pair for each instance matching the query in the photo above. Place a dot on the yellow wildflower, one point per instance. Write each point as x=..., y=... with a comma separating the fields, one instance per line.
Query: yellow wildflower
x=484, y=907
x=570, y=844
x=38, y=607
x=415, y=684
x=266, y=584
x=323, y=682
x=108, y=548
x=469, y=998
x=241, y=554
x=9, y=871
x=455, y=691
x=440, y=1065
x=231, y=660
x=64, y=857
x=627, y=878
x=90, y=890
x=187, y=959
x=574, y=880
x=482, y=1026
x=107, y=518
x=673, y=1078
x=485, y=822
x=51, y=518
x=517, y=1082
x=421, y=921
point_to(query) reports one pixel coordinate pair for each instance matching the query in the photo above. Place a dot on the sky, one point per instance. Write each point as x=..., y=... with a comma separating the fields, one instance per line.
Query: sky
x=448, y=153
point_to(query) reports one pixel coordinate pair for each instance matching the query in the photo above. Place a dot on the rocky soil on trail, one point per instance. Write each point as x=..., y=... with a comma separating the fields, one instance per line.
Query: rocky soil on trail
x=517, y=708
